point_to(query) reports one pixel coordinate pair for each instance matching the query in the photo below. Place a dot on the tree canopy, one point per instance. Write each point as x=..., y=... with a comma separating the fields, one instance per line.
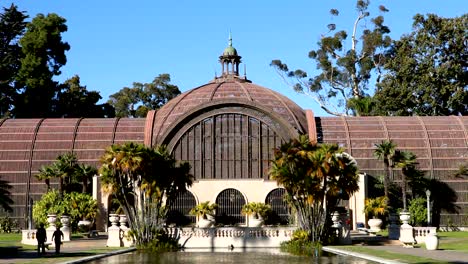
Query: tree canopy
x=74, y=100
x=43, y=56
x=12, y=27
x=344, y=73
x=427, y=70
x=315, y=177
x=31, y=55
x=143, y=97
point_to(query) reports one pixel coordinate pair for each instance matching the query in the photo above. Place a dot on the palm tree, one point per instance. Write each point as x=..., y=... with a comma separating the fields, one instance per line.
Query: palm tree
x=65, y=166
x=141, y=179
x=46, y=173
x=385, y=151
x=314, y=178
x=85, y=173
x=405, y=160
x=5, y=195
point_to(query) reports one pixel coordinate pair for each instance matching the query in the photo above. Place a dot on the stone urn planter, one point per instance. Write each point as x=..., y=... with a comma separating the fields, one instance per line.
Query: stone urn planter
x=114, y=219
x=123, y=220
x=205, y=213
x=375, y=224
x=256, y=212
x=432, y=241
x=256, y=222
x=65, y=220
x=51, y=219
x=205, y=223
x=84, y=225
x=405, y=217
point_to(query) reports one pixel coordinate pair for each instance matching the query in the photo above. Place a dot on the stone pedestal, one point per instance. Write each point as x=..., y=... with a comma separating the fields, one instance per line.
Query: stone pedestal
x=406, y=231
x=113, y=231
x=393, y=227
x=65, y=220
x=125, y=237
x=51, y=218
x=342, y=232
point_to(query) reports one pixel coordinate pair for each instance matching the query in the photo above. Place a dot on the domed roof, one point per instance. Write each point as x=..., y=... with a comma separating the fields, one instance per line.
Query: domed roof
x=230, y=51
x=223, y=91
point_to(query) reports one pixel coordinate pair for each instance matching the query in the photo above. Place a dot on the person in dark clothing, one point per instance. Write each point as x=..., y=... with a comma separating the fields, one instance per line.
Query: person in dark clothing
x=41, y=237
x=57, y=238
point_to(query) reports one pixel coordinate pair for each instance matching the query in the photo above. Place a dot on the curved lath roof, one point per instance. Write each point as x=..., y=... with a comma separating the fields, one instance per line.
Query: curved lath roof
x=226, y=91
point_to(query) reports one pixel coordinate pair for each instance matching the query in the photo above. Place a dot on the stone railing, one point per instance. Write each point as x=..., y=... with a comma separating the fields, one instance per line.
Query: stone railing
x=29, y=237
x=420, y=233
x=231, y=237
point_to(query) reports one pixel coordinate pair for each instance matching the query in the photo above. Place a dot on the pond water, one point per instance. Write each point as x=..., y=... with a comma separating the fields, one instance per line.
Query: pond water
x=247, y=256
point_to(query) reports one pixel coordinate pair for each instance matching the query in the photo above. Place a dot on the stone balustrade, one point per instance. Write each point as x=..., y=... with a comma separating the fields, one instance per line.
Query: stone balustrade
x=420, y=233
x=228, y=237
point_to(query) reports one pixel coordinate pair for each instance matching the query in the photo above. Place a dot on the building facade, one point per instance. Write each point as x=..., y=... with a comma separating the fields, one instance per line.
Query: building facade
x=226, y=129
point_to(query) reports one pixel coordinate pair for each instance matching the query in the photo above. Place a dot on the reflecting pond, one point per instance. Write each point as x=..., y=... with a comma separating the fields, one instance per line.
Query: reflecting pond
x=247, y=256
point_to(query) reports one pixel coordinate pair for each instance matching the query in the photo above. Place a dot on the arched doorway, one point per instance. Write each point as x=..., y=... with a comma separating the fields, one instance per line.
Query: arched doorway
x=230, y=202
x=178, y=213
x=279, y=207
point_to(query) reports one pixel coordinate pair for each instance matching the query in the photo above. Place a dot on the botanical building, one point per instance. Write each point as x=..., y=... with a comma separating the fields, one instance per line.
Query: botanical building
x=227, y=129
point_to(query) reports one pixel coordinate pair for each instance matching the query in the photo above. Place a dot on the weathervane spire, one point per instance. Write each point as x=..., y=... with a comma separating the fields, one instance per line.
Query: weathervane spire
x=230, y=39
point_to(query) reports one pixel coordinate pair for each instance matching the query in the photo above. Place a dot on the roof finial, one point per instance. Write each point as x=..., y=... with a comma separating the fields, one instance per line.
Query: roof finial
x=230, y=39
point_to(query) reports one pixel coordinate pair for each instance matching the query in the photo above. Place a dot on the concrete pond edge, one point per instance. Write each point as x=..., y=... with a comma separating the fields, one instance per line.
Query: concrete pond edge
x=90, y=258
x=360, y=255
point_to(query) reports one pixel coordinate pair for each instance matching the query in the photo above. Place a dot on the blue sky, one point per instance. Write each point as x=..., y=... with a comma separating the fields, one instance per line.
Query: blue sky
x=115, y=43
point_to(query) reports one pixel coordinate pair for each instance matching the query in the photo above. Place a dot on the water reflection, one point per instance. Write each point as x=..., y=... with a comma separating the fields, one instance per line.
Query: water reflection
x=250, y=256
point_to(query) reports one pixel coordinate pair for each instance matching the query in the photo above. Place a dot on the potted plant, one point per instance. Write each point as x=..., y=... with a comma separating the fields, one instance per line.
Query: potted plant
x=375, y=207
x=256, y=213
x=206, y=212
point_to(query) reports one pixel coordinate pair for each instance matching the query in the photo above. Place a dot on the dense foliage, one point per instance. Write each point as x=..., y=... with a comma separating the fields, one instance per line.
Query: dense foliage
x=418, y=211
x=31, y=55
x=145, y=181
x=143, y=97
x=427, y=70
x=5, y=200
x=315, y=177
x=78, y=206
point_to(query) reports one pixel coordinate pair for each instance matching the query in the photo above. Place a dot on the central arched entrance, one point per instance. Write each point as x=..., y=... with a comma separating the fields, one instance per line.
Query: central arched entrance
x=230, y=202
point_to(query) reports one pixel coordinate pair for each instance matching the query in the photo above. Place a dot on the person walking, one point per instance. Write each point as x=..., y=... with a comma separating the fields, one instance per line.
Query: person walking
x=41, y=237
x=57, y=238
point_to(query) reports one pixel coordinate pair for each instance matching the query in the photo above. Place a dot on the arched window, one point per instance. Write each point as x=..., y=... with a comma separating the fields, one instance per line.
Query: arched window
x=178, y=213
x=230, y=202
x=228, y=146
x=279, y=206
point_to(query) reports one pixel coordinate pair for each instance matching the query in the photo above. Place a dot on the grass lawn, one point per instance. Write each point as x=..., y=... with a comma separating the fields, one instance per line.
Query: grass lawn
x=457, y=241
x=29, y=254
x=387, y=255
x=453, y=241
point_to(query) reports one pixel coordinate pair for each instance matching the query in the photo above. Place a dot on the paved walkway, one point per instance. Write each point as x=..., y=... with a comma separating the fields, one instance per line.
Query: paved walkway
x=77, y=248
x=442, y=255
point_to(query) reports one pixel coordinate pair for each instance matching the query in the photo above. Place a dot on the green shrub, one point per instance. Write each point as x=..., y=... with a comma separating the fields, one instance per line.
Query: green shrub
x=301, y=244
x=300, y=235
x=76, y=205
x=418, y=211
x=162, y=243
x=7, y=225
x=301, y=248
